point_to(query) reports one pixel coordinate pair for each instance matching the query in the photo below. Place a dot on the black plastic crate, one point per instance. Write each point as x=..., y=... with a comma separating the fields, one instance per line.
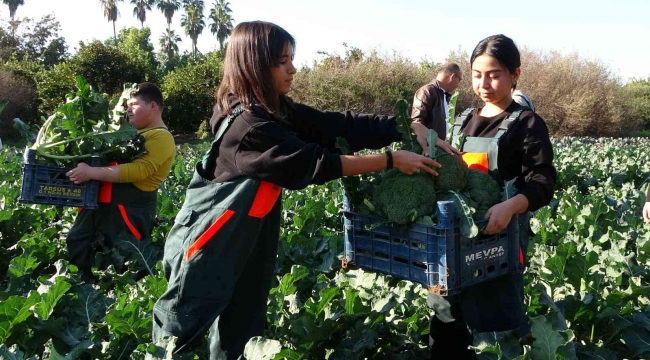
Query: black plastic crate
x=438, y=257
x=48, y=185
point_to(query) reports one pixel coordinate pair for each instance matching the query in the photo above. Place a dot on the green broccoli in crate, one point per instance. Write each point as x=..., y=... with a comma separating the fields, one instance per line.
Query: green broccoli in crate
x=484, y=190
x=453, y=174
x=404, y=198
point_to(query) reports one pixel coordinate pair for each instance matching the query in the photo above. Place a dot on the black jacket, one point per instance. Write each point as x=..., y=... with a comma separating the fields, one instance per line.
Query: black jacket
x=298, y=149
x=525, y=153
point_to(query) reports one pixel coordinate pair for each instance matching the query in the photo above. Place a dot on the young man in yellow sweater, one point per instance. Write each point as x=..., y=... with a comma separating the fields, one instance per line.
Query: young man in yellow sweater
x=128, y=196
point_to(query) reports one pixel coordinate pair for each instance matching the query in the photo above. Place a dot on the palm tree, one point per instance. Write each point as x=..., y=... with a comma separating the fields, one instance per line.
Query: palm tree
x=193, y=23
x=169, y=43
x=141, y=8
x=222, y=21
x=13, y=6
x=199, y=4
x=169, y=7
x=110, y=12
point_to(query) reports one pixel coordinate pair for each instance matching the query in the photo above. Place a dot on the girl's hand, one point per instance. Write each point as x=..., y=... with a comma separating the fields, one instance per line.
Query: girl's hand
x=500, y=216
x=421, y=134
x=447, y=147
x=80, y=174
x=409, y=163
x=646, y=212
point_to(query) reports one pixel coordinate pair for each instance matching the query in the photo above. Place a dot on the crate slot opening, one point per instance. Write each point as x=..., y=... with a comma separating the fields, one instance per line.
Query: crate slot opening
x=418, y=245
x=420, y=265
x=384, y=237
x=400, y=260
x=363, y=251
x=381, y=255
x=363, y=233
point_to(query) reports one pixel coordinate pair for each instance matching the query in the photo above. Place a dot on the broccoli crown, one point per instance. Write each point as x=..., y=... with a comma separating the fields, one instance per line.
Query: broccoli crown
x=484, y=190
x=402, y=197
x=451, y=177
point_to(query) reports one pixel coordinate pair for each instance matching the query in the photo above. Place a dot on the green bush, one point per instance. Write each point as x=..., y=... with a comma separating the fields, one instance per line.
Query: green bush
x=366, y=84
x=20, y=93
x=189, y=93
x=135, y=44
x=576, y=96
x=636, y=103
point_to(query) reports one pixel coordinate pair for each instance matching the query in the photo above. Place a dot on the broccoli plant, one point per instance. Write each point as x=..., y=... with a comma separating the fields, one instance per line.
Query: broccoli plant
x=405, y=198
x=82, y=128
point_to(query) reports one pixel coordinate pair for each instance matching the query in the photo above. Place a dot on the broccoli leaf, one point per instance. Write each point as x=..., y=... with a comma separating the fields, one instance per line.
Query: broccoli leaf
x=432, y=137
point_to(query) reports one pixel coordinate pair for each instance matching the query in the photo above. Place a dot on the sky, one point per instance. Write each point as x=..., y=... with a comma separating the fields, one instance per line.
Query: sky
x=616, y=32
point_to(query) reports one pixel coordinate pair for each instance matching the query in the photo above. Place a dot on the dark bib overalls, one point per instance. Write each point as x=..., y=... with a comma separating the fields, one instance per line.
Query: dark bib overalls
x=494, y=305
x=126, y=214
x=219, y=261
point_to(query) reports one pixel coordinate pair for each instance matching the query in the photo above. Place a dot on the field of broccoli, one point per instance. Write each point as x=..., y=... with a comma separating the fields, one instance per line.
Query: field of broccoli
x=587, y=288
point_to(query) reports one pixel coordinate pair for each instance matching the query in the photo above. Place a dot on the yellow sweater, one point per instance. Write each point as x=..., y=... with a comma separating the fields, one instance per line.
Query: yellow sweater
x=150, y=170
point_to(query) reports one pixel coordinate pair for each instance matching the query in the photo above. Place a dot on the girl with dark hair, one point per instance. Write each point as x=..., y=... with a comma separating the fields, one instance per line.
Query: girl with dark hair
x=512, y=144
x=220, y=254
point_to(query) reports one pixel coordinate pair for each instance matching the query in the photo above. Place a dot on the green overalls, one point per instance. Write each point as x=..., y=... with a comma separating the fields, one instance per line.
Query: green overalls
x=124, y=213
x=219, y=260
x=494, y=305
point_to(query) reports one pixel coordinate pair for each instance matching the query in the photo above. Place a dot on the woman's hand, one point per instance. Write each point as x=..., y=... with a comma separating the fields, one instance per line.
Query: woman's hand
x=421, y=135
x=447, y=147
x=409, y=163
x=80, y=174
x=499, y=216
x=646, y=212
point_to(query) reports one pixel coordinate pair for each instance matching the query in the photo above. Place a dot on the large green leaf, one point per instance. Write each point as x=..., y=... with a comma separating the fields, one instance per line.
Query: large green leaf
x=12, y=353
x=497, y=345
x=599, y=354
x=547, y=340
x=14, y=311
x=73, y=354
x=143, y=252
x=50, y=296
x=23, y=265
x=127, y=318
x=637, y=339
x=287, y=283
x=90, y=306
x=259, y=348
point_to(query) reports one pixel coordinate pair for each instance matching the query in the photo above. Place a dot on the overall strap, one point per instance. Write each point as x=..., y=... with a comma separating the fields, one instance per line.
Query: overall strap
x=460, y=119
x=508, y=121
x=209, y=162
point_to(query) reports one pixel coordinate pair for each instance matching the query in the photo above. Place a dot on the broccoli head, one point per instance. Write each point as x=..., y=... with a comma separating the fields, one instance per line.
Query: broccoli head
x=452, y=175
x=484, y=190
x=405, y=197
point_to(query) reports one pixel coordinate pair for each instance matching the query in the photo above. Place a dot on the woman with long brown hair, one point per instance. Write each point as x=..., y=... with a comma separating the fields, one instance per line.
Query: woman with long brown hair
x=220, y=254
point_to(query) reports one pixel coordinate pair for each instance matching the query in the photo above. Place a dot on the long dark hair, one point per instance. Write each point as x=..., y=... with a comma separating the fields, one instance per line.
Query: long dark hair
x=253, y=49
x=501, y=48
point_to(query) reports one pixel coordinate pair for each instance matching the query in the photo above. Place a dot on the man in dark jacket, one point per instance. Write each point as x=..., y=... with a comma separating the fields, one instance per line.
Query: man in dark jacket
x=430, y=109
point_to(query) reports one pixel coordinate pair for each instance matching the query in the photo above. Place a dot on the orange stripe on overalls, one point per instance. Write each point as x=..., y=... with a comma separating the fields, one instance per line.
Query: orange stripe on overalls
x=132, y=228
x=478, y=161
x=265, y=198
x=208, y=234
x=106, y=189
